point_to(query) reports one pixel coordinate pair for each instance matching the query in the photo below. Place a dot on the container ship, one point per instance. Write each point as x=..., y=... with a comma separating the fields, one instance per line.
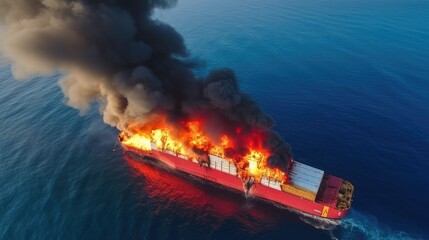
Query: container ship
x=301, y=187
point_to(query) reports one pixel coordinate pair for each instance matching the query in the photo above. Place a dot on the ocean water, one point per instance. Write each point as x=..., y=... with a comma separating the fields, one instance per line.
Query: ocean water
x=347, y=83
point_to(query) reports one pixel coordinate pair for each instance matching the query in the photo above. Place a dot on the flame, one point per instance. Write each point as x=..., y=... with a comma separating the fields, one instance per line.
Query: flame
x=188, y=138
x=136, y=140
x=163, y=140
x=254, y=158
x=219, y=150
x=197, y=138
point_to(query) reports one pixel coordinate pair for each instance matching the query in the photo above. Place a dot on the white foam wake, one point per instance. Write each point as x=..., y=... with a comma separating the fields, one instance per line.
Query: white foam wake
x=368, y=227
x=356, y=226
x=318, y=222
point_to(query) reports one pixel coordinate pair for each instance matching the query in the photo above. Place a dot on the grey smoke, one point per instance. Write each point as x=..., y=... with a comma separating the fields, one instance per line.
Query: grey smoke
x=113, y=52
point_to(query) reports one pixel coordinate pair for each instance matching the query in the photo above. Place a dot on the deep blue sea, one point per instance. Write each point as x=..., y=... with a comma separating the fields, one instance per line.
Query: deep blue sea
x=347, y=83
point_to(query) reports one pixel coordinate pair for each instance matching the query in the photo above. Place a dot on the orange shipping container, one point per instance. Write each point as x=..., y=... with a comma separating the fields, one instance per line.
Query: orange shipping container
x=298, y=192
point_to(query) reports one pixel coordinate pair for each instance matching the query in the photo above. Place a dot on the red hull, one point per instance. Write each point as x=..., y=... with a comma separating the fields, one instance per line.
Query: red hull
x=257, y=189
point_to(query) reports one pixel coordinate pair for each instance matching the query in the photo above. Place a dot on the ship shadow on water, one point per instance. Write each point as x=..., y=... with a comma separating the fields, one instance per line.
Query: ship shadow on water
x=213, y=204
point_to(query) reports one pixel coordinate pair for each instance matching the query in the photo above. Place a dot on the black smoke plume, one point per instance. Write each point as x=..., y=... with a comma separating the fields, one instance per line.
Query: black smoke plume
x=115, y=53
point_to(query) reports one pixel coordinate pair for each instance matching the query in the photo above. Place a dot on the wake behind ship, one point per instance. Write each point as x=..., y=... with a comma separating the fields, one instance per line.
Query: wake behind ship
x=302, y=187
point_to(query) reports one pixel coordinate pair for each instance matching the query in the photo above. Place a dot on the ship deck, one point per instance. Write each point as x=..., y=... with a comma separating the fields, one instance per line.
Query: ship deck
x=305, y=179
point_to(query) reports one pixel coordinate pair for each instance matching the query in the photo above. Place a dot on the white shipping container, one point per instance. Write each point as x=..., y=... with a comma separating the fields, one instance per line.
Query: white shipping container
x=212, y=163
x=274, y=184
x=232, y=169
x=152, y=145
x=218, y=162
x=170, y=152
x=264, y=181
x=306, y=177
x=218, y=165
x=216, y=158
x=225, y=167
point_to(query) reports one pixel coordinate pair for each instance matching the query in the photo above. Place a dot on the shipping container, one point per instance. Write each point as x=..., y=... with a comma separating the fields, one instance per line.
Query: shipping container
x=225, y=167
x=212, y=163
x=306, y=177
x=298, y=192
x=274, y=184
x=222, y=164
x=218, y=165
x=170, y=152
x=264, y=181
x=232, y=169
x=152, y=145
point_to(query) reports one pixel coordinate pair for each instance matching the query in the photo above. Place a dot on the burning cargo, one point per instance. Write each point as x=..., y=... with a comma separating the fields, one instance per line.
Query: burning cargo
x=242, y=166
